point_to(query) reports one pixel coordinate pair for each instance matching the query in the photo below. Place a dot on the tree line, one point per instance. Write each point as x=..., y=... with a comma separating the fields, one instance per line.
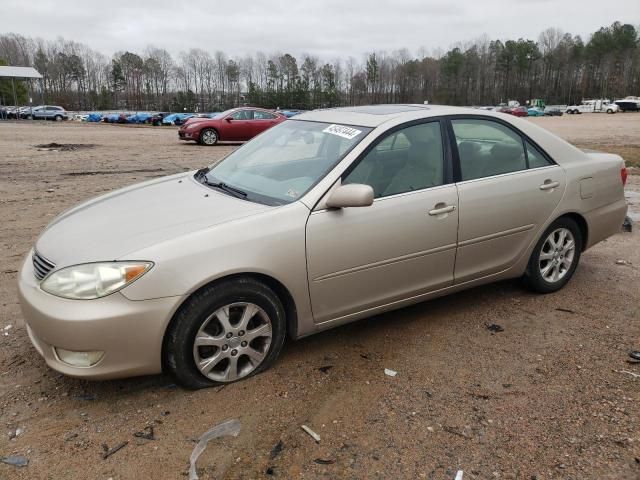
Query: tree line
x=559, y=67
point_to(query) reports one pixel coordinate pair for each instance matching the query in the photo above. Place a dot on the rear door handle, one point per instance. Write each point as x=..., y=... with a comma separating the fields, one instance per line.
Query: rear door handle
x=441, y=209
x=548, y=185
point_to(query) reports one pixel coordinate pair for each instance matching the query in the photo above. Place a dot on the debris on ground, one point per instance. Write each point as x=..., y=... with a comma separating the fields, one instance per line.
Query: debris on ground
x=324, y=461
x=495, y=328
x=635, y=355
x=622, y=262
x=63, y=147
x=16, y=433
x=146, y=433
x=15, y=460
x=627, y=225
x=276, y=450
x=107, y=452
x=459, y=475
x=313, y=434
x=229, y=428
x=112, y=172
x=390, y=373
x=565, y=310
x=86, y=396
x=634, y=375
x=325, y=368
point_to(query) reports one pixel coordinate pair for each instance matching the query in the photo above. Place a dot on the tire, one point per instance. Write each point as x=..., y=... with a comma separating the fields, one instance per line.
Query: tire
x=541, y=274
x=203, y=316
x=58, y=118
x=208, y=137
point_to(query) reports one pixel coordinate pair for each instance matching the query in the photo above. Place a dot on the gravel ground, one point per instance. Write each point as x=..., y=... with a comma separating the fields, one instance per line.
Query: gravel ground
x=544, y=398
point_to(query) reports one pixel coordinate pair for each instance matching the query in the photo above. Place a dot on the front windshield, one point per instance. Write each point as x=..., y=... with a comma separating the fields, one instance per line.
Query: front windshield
x=283, y=163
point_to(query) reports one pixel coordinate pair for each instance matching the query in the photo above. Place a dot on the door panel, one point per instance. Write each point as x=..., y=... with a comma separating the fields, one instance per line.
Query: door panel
x=500, y=216
x=359, y=258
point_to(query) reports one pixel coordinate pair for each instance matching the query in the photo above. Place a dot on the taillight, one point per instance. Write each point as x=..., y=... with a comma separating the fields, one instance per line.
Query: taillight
x=623, y=176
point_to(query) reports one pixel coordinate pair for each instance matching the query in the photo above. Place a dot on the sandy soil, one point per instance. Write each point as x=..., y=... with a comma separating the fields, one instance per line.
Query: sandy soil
x=545, y=398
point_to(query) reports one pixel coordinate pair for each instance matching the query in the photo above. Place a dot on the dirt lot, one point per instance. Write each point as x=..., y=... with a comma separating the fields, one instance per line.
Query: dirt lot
x=542, y=399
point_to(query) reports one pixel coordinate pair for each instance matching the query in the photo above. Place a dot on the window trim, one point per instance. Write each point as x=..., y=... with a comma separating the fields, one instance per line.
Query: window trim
x=523, y=137
x=448, y=178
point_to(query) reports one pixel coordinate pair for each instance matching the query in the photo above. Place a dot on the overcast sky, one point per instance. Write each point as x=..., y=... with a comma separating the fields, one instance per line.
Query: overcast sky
x=328, y=28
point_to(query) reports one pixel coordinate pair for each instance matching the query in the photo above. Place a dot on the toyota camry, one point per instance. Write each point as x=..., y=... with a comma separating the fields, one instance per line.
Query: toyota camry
x=326, y=218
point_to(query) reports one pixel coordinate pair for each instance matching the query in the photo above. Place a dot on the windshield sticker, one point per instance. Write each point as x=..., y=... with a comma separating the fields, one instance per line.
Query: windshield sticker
x=345, y=132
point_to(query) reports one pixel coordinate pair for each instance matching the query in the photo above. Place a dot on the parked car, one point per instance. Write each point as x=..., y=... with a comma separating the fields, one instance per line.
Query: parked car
x=552, y=111
x=46, y=112
x=176, y=118
x=535, y=112
x=326, y=218
x=157, y=118
x=237, y=124
x=519, y=111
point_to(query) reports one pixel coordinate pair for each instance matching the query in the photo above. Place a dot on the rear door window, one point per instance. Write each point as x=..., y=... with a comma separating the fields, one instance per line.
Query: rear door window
x=535, y=157
x=487, y=148
x=260, y=115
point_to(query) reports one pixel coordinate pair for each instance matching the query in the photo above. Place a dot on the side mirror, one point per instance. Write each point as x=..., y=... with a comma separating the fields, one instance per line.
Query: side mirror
x=228, y=119
x=352, y=195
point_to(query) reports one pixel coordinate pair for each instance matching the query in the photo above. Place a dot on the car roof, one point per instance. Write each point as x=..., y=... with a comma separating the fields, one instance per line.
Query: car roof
x=375, y=115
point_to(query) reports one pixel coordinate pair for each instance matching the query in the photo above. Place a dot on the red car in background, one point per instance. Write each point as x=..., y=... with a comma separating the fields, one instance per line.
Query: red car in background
x=235, y=125
x=519, y=111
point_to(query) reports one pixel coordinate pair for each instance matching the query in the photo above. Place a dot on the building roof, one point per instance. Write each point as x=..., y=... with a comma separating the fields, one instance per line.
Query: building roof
x=19, y=72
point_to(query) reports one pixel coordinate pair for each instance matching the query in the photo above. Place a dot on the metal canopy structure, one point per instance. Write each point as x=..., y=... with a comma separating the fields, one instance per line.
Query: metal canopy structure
x=21, y=73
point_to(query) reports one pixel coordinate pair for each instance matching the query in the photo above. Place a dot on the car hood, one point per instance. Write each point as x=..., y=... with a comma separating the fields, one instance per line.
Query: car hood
x=126, y=220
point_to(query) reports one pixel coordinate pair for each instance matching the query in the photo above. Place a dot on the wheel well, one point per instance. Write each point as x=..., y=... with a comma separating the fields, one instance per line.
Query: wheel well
x=210, y=128
x=582, y=225
x=279, y=289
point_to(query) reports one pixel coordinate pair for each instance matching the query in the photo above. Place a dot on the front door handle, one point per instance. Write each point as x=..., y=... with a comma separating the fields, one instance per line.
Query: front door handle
x=548, y=185
x=441, y=209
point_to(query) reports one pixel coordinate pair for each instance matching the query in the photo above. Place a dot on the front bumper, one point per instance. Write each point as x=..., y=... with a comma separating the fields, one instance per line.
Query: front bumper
x=187, y=135
x=129, y=332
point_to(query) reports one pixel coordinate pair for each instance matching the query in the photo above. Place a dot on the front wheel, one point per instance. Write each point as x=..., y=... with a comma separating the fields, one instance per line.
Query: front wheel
x=58, y=118
x=555, y=257
x=208, y=137
x=225, y=333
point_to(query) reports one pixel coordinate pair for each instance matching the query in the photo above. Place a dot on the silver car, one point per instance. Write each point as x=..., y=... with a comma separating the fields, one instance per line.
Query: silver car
x=48, y=112
x=327, y=218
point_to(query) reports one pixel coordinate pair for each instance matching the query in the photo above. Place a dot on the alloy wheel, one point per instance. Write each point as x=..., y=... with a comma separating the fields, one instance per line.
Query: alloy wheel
x=209, y=137
x=557, y=255
x=232, y=342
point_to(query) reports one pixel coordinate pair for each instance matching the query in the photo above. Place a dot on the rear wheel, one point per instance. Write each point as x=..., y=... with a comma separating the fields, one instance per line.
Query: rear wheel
x=555, y=257
x=225, y=333
x=58, y=118
x=208, y=137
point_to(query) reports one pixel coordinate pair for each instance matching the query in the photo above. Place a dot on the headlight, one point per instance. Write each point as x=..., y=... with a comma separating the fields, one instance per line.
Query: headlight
x=93, y=280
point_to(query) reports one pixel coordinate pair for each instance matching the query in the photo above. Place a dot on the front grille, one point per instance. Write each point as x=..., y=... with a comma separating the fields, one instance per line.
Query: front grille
x=41, y=266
